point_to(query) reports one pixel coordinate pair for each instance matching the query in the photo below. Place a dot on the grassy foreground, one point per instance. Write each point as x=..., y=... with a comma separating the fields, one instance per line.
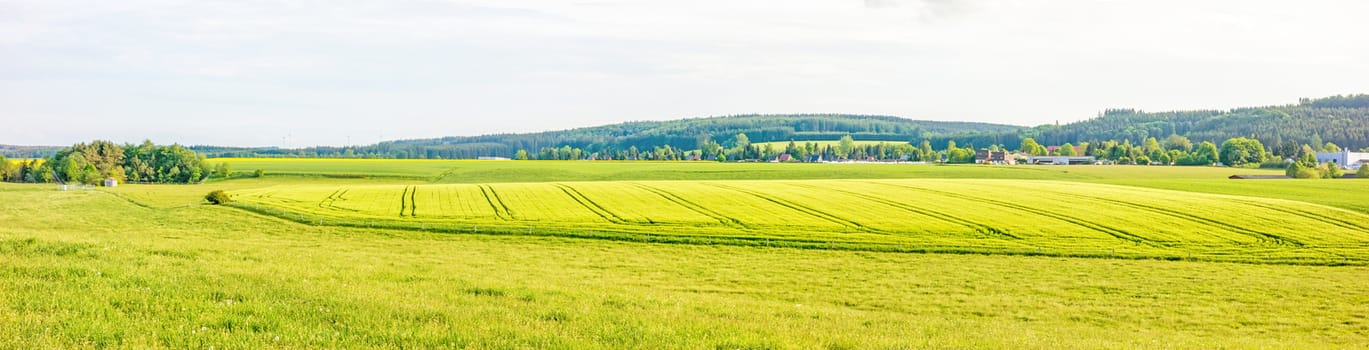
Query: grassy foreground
x=150, y=266
x=89, y=269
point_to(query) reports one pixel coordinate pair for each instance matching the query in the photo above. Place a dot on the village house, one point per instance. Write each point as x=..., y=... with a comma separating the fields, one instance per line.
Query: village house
x=994, y=157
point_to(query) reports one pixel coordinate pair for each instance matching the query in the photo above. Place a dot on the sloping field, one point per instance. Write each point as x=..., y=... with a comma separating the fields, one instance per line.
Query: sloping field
x=470, y=171
x=961, y=215
x=396, y=168
x=1350, y=194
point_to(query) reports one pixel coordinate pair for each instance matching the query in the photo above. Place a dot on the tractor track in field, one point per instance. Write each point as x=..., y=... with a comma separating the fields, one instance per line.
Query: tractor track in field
x=403, y=201
x=1188, y=217
x=328, y=203
x=497, y=204
x=724, y=219
x=981, y=228
x=802, y=209
x=1114, y=232
x=406, y=201
x=1309, y=215
x=592, y=206
x=414, y=203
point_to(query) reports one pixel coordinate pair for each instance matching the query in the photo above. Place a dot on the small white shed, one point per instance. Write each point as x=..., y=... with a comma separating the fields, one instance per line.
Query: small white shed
x=111, y=182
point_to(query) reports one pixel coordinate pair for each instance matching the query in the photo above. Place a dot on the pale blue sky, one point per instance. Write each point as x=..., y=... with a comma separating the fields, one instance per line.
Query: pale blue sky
x=300, y=73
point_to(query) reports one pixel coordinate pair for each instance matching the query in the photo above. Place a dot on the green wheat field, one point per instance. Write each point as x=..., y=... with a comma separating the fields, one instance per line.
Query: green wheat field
x=321, y=253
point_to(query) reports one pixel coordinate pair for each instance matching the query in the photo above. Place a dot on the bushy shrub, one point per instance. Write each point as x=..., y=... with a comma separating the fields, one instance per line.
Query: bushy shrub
x=223, y=170
x=1330, y=171
x=1298, y=171
x=1363, y=172
x=259, y=173
x=218, y=197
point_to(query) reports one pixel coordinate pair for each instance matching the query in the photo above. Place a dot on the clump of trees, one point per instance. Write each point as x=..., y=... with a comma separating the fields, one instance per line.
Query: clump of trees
x=32, y=170
x=218, y=197
x=90, y=163
x=1308, y=168
x=165, y=164
x=1304, y=168
x=1242, y=151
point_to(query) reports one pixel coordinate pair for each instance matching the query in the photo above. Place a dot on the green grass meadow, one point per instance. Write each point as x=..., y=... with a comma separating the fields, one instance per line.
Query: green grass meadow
x=688, y=255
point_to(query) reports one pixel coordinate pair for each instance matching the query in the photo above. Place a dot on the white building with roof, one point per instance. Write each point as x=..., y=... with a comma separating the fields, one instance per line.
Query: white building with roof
x=1346, y=159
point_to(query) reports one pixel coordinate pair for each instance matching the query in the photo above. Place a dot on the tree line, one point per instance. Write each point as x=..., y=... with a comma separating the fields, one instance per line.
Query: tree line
x=1172, y=150
x=91, y=163
x=740, y=148
x=1343, y=120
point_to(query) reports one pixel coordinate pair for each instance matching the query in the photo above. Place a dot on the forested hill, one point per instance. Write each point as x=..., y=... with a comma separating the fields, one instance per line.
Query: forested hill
x=684, y=134
x=1343, y=120
x=11, y=151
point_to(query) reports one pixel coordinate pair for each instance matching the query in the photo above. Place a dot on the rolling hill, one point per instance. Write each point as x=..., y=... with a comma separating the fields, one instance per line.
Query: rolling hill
x=681, y=134
x=12, y=151
x=1343, y=120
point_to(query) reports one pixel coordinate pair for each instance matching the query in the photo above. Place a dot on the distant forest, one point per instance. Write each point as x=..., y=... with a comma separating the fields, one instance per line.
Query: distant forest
x=1341, y=120
x=12, y=151
x=685, y=134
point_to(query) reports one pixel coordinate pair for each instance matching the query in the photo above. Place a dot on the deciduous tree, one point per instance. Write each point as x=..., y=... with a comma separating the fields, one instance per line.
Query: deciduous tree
x=1029, y=146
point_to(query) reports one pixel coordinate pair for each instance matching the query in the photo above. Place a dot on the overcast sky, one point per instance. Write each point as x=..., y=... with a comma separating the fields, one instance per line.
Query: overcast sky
x=330, y=72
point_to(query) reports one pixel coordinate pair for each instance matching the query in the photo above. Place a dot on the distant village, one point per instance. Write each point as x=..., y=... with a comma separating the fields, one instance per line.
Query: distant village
x=1173, y=150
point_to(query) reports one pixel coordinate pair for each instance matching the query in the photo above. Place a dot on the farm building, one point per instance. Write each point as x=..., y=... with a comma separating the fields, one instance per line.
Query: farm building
x=1061, y=160
x=994, y=157
x=492, y=158
x=111, y=182
x=1346, y=159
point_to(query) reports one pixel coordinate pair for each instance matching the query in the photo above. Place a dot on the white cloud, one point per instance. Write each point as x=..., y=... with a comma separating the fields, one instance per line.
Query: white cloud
x=317, y=70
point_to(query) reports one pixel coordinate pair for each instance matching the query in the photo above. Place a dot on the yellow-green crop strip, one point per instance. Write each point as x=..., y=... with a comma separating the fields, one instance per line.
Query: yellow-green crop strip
x=922, y=215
